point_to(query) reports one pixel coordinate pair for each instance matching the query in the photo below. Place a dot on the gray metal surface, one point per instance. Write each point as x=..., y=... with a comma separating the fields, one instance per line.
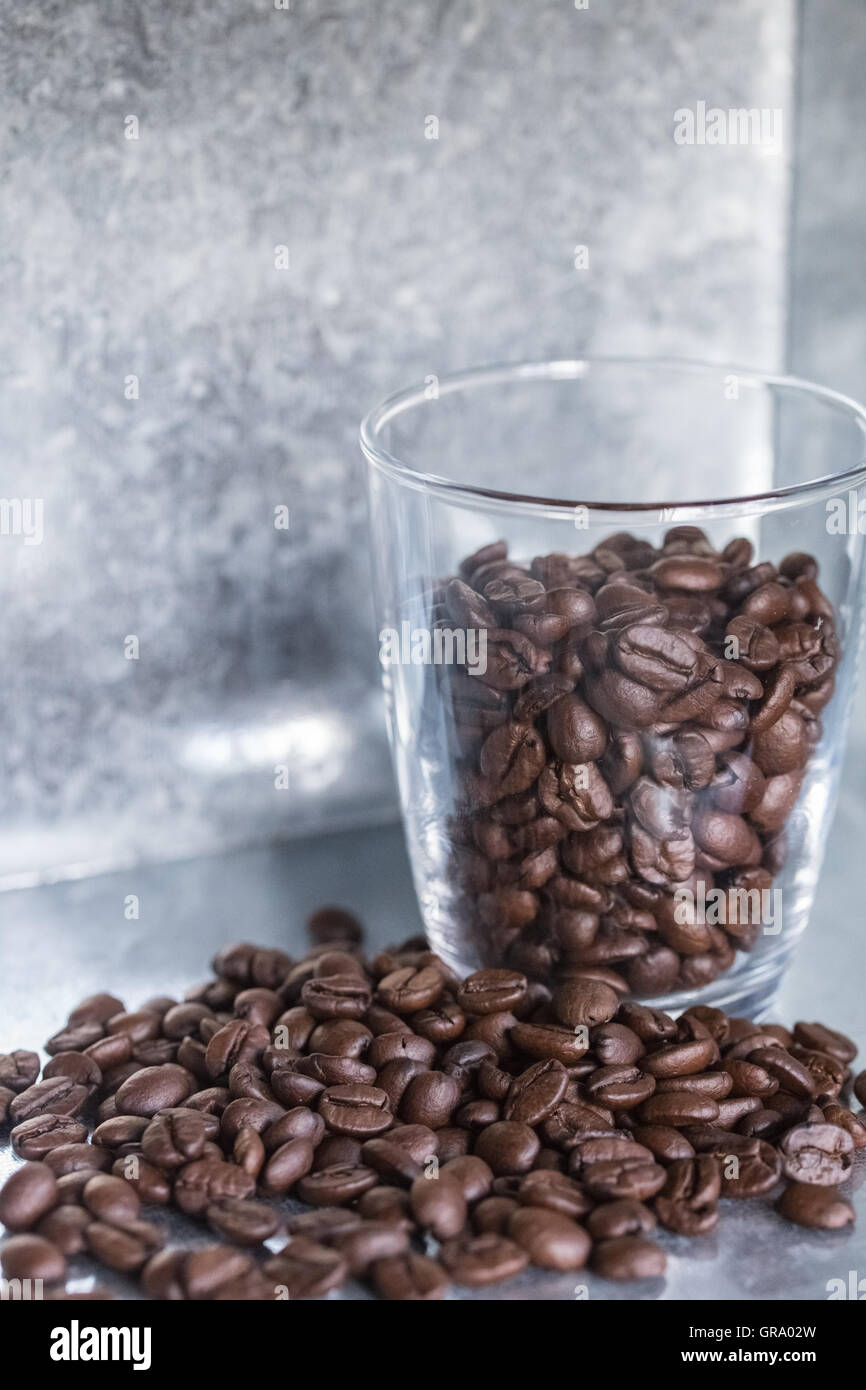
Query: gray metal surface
x=154, y=258
x=62, y=942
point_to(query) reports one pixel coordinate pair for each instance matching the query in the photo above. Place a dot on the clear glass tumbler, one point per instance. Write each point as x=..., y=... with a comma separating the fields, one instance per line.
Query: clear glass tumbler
x=619, y=606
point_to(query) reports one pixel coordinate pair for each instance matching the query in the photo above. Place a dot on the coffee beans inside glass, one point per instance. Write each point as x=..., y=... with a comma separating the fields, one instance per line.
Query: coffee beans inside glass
x=619, y=606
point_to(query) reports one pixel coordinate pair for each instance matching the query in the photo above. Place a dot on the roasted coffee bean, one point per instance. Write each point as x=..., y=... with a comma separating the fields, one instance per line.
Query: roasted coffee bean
x=64, y=1227
x=629, y=1258
x=28, y=1193
x=573, y=1121
x=818, y=1154
x=111, y=1199
x=155, y=1088
x=551, y=1240
x=755, y=1170
x=688, y=1202
x=249, y=1113
x=238, y=1041
x=821, y=1208
x=407, y=990
x=549, y=1041
x=286, y=1166
x=336, y=996
x=391, y=1160
x=70, y=1158
x=553, y=1191
x=584, y=1002
x=674, y=1109
x=508, y=1147
x=492, y=1214
x=477, y=1261
x=820, y=1039
x=620, y=1088
x=429, y=1099
x=201, y=1183
x=491, y=991
x=663, y=1142
x=124, y=1248
x=177, y=1137
x=358, y=1111
x=77, y=1066
x=401, y=1278
x=625, y=1217
x=439, y=1204
x=242, y=1222
x=535, y=1092
x=33, y=1138
x=59, y=1095
x=32, y=1257
x=341, y=1183
x=370, y=1242
x=473, y=1174
x=109, y=1052
x=150, y=1185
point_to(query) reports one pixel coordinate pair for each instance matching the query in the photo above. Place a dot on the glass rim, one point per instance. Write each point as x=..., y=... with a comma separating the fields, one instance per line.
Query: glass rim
x=574, y=369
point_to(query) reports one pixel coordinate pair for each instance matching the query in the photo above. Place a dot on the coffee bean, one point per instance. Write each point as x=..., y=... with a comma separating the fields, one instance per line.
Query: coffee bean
x=28, y=1193
x=629, y=1258
x=439, y=1204
x=59, y=1095
x=552, y=1190
x=64, y=1227
x=623, y=1217
x=409, y=1277
x=508, y=1147
x=286, y=1166
x=756, y=1170
x=337, y=996
x=32, y=1257
x=477, y=1261
x=491, y=991
x=153, y=1089
x=176, y=1137
x=306, y=1269
x=677, y=1108
x=122, y=1247
x=407, y=990
x=536, y=1092
x=819, y=1154
x=242, y=1222
x=150, y=1185
x=336, y=1185
x=111, y=1199
x=70, y=1158
x=33, y=1138
x=549, y=1041
x=201, y=1183
x=474, y=1175
x=821, y=1208
x=584, y=1002
x=238, y=1041
x=77, y=1066
x=371, y=1242
x=551, y=1240
x=429, y=1099
x=358, y=1111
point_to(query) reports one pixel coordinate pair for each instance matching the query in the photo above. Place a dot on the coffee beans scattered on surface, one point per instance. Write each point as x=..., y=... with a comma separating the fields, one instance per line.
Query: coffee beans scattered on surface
x=440, y=1131
x=643, y=726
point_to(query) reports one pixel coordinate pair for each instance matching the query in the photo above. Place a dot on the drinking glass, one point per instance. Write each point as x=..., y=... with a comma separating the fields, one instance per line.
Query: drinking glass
x=594, y=777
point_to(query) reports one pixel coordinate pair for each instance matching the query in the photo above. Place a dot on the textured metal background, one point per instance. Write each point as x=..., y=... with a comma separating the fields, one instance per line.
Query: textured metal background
x=155, y=257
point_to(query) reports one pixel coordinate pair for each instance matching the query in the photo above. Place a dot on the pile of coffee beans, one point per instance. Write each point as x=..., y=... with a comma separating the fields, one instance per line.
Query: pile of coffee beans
x=642, y=726
x=438, y=1130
